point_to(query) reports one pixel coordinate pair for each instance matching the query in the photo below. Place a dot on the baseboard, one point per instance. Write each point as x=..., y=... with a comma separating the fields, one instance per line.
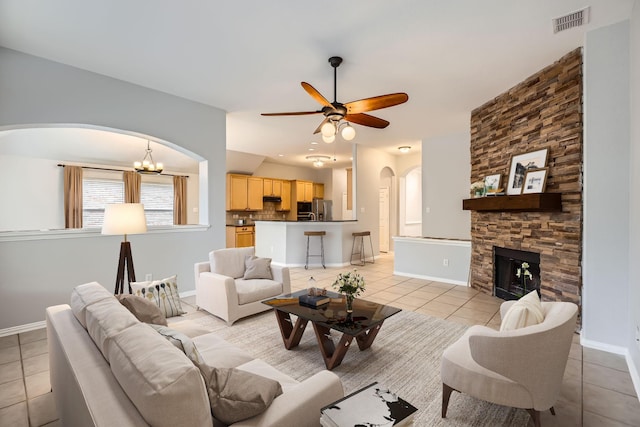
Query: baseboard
x=635, y=376
x=185, y=294
x=432, y=278
x=22, y=328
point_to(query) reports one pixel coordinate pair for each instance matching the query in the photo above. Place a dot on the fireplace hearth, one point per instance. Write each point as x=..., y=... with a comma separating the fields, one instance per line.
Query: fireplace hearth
x=516, y=273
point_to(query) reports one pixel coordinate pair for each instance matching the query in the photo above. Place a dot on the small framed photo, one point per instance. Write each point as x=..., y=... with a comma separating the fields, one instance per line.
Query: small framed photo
x=522, y=163
x=535, y=181
x=492, y=183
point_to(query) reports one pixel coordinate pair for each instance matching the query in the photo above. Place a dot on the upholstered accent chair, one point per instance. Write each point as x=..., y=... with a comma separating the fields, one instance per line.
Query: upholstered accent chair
x=522, y=368
x=234, y=282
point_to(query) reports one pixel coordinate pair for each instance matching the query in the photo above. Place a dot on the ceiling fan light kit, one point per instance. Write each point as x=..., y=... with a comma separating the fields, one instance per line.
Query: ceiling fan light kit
x=318, y=161
x=338, y=115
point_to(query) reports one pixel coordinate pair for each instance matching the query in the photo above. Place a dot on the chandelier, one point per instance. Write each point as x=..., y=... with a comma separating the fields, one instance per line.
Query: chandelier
x=147, y=165
x=331, y=128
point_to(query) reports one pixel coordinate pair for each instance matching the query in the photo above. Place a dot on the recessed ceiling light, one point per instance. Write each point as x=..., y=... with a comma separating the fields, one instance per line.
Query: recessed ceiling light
x=312, y=149
x=404, y=148
x=314, y=143
x=280, y=155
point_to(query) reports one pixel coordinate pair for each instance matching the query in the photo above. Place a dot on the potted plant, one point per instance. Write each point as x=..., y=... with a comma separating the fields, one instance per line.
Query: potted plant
x=350, y=284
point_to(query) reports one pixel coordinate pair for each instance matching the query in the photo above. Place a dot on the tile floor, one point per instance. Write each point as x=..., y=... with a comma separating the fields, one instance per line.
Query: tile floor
x=597, y=388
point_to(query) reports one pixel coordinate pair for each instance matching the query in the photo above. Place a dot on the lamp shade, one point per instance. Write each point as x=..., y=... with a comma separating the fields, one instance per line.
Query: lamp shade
x=124, y=218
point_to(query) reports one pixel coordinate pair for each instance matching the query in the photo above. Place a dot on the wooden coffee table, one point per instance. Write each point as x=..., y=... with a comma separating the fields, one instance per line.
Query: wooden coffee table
x=363, y=324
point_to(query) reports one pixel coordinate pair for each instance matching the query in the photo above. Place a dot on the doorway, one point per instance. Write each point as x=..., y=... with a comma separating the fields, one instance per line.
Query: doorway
x=384, y=219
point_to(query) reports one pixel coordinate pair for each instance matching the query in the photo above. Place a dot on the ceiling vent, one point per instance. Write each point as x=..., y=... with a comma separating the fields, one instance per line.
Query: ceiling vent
x=573, y=19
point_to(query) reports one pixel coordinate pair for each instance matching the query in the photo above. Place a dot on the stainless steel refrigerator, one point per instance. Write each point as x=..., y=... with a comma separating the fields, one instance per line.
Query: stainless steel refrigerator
x=322, y=209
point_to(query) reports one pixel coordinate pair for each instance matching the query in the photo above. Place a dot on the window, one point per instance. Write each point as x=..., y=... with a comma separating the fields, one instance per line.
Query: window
x=156, y=196
x=157, y=199
x=96, y=193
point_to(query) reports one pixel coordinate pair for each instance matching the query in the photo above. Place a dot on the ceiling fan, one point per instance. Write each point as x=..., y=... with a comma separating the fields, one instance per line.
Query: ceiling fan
x=353, y=111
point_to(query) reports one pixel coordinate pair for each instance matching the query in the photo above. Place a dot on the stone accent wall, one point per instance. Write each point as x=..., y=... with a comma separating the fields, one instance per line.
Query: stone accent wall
x=544, y=111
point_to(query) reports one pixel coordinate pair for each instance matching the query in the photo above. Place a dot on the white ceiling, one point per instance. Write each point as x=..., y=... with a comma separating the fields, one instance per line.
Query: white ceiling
x=248, y=57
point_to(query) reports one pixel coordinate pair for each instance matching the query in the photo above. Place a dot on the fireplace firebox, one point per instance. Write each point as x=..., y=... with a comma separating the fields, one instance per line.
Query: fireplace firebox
x=515, y=273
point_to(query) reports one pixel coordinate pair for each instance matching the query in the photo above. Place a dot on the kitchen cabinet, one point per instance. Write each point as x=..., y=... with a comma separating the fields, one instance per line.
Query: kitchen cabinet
x=318, y=190
x=285, y=204
x=240, y=236
x=304, y=191
x=272, y=187
x=244, y=193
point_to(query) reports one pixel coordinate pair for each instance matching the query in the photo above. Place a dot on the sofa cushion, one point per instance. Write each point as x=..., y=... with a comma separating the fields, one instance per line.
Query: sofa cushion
x=165, y=386
x=219, y=353
x=144, y=310
x=105, y=319
x=256, y=290
x=236, y=395
x=262, y=368
x=180, y=341
x=230, y=262
x=257, y=268
x=526, y=311
x=164, y=293
x=84, y=295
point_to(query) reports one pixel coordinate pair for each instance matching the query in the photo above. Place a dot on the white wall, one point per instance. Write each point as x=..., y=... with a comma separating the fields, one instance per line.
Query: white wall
x=37, y=273
x=276, y=170
x=634, y=199
x=446, y=168
x=606, y=186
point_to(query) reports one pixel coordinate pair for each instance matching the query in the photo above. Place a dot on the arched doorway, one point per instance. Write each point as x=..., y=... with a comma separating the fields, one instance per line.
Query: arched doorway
x=387, y=180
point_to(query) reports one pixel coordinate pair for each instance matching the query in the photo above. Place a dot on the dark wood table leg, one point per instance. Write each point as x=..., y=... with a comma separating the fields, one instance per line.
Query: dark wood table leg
x=331, y=354
x=291, y=334
x=366, y=338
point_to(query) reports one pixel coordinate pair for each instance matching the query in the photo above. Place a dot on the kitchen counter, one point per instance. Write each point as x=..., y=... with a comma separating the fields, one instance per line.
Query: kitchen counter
x=285, y=243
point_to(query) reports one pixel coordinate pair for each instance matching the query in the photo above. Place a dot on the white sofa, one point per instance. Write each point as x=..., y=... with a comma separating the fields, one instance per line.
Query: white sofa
x=222, y=291
x=109, y=369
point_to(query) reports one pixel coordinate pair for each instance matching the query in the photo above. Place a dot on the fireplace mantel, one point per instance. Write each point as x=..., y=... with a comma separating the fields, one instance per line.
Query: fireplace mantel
x=538, y=202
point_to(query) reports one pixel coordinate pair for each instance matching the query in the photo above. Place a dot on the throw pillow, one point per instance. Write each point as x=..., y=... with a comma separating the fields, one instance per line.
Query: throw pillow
x=164, y=293
x=257, y=268
x=230, y=262
x=527, y=311
x=144, y=310
x=236, y=395
x=181, y=341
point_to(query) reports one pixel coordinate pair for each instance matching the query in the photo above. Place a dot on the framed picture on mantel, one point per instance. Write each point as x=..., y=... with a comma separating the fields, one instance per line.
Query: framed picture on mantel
x=522, y=163
x=535, y=181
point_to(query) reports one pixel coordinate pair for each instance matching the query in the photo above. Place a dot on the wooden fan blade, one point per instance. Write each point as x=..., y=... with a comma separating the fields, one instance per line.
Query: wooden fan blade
x=320, y=127
x=297, y=113
x=367, y=120
x=376, y=103
x=315, y=94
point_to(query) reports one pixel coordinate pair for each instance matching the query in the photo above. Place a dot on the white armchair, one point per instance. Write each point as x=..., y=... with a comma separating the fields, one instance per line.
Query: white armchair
x=222, y=290
x=522, y=368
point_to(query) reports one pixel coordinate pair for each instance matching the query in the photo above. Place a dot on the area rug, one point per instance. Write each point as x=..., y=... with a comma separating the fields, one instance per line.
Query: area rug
x=405, y=357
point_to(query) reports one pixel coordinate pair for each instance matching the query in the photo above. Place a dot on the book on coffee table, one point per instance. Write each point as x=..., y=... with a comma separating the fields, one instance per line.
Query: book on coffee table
x=314, y=300
x=371, y=405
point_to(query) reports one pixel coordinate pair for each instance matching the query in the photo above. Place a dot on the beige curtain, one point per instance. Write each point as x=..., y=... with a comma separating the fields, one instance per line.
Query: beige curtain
x=72, y=197
x=132, y=182
x=179, y=200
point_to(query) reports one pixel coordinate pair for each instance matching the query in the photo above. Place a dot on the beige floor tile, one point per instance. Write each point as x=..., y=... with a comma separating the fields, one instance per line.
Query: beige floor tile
x=10, y=371
x=14, y=415
x=571, y=391
x=440, y=307
x=567, y=415
x=448, y=299
x=386, y=296
x=438, y=285
x=478, y=317
x=11, y=393
x=612, y=379
x=42, y=410
x=610, y=360
x=575, y=352
x=594, y=420
x=55, y=423
x=482, y=306
x=611, y=404
x=464, y=290
x=409, y=301
x=463, y=320
x=37, y=384
x=34, y=348
x=35, y=335
x=426, y=294
x=573, y=370
x=432, y=312
x=9, y=354
x=9, y=341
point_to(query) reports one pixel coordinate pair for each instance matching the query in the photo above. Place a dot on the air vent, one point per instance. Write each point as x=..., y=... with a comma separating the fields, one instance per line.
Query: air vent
x=574, y=19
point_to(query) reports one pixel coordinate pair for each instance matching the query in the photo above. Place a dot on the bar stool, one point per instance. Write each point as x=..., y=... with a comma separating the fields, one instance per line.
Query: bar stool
x=360, y=253
x=309, y=234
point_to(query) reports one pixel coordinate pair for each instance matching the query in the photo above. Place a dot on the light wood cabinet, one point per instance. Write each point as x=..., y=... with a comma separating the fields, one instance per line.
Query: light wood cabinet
x=240, y=236
x=244, y=193
x=318, y=190
x=304, y=191
x=272, y=187
x=285, y=204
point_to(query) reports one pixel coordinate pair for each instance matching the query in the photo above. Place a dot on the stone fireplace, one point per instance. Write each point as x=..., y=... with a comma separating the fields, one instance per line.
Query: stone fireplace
x=544, y=111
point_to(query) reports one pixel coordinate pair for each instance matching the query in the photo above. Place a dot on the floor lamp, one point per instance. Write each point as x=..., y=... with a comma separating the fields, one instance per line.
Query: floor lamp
x=124, y=218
